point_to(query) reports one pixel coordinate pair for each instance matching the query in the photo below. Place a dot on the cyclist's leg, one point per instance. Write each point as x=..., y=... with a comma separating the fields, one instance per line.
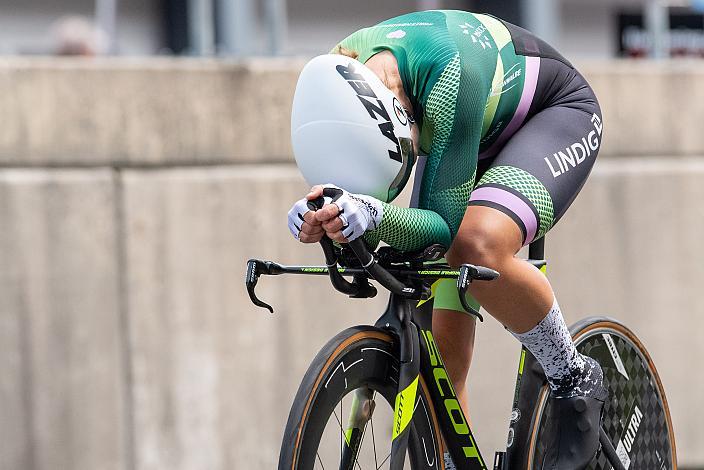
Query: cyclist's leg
x=517, y=200
x=453, y=330
x=521, y=296
x=528, y=187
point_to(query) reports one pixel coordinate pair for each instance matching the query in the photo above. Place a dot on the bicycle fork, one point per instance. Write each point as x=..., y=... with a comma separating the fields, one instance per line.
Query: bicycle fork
x=361, y=412
x=404, y=406
x=363, y=403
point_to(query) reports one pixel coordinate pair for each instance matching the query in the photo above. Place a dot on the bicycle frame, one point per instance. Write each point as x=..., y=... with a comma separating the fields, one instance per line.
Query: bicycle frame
x=456, y=430
x=410, y=321
x=457, y=433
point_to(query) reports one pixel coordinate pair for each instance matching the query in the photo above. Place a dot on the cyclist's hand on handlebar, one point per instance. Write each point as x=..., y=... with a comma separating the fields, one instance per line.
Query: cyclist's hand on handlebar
x=349, y=215
x=302, y=222
x=308, y=226
x=331, y=222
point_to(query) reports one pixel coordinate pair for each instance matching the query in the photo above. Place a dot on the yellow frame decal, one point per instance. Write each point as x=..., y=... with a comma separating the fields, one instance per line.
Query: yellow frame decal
x=405, y=402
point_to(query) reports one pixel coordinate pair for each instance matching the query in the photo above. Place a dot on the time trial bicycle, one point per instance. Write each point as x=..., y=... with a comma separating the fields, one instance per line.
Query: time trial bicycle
x=378, y=396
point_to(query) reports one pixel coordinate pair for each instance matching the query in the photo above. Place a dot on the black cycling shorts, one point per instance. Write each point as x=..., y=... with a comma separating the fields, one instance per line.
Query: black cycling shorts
x=535, y=171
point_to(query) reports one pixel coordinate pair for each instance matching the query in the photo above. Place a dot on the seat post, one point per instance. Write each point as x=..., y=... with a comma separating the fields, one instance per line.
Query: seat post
x=536, y=250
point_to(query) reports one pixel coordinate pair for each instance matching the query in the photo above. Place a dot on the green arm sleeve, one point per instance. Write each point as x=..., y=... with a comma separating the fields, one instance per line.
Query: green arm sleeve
x=409, y=229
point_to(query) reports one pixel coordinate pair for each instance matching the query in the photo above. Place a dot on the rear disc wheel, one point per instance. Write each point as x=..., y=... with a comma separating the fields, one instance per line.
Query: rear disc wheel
x=636, y=417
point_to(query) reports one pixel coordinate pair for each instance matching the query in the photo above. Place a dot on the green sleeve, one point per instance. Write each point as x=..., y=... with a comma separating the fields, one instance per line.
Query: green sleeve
x=409, y=229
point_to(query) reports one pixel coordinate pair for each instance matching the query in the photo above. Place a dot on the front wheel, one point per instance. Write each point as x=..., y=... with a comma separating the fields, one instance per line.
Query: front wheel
x=342, y=415
x=636, y=418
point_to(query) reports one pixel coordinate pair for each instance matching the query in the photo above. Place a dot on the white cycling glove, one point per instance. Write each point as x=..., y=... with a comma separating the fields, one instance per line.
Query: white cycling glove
x=295, y=217
x=358, y=213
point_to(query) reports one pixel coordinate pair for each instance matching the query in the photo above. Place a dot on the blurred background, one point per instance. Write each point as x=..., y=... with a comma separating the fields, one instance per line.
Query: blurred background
x=144, y=157
x=245, y=28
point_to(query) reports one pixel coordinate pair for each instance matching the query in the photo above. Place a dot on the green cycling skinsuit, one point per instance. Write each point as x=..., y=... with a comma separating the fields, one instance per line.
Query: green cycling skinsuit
x=505, y=122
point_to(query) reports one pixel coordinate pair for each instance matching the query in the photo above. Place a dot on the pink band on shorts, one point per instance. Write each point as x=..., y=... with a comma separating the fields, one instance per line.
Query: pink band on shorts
x=511, y=202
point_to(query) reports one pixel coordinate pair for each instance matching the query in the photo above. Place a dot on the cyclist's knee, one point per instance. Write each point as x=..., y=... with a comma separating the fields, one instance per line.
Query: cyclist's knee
x=482, y=243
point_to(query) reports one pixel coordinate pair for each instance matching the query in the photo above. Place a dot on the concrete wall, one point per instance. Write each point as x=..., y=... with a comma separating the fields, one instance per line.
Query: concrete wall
x=132, y=193
x=162, y=112
x=62, y=348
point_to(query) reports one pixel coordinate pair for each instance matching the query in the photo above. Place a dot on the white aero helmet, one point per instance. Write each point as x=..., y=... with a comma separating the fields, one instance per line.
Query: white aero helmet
x=348, y=129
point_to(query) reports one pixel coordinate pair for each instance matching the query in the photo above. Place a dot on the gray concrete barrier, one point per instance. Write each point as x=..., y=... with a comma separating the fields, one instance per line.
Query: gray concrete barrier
x=144, y=112
x=62, y=386
x=190, y=112
x=649, y=108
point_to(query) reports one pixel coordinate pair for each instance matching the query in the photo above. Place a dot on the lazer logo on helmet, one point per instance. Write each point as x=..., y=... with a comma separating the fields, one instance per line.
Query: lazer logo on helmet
x=373, y=105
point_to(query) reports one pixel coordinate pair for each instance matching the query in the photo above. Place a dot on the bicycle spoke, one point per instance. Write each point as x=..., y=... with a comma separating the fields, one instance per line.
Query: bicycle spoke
x=342, y=432
x=384, y=461
x=337, y=418
x=376, y=463
x=320, y=460
x=339, y=424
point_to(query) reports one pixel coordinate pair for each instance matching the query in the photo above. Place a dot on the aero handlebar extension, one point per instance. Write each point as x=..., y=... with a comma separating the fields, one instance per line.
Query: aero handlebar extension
x=369, y=263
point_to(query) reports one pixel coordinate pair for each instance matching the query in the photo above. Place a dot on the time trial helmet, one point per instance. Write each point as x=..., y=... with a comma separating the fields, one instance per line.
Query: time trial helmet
x=349, y=129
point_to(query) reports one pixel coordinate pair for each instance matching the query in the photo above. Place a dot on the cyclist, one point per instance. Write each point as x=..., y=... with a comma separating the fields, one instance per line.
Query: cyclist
x=510, y=130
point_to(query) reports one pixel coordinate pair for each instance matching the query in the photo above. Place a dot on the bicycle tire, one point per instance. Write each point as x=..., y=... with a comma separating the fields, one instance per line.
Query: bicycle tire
x=359, y=356
x=637, y=417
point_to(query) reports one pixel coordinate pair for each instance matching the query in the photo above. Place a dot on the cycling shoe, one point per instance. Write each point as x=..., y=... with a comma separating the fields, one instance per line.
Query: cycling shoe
x=572, y=432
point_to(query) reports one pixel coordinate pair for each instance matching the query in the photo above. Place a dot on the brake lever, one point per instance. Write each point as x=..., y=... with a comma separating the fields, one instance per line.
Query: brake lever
x=255, y=268
x=469, y=273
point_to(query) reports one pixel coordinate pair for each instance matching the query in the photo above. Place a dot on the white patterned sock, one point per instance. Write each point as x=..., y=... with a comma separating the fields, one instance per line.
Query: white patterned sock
x=568, y=372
